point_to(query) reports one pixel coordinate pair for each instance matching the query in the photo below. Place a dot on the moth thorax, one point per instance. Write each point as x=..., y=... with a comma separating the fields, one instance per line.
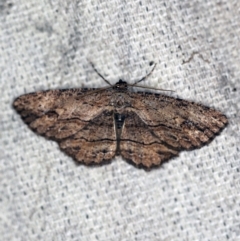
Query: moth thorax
x=120, y=100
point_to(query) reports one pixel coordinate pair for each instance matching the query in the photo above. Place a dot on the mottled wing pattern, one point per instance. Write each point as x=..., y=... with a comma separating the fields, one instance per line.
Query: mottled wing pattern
x=157, y=127
x=141, y=145
x=70, y=117
x=95, y=142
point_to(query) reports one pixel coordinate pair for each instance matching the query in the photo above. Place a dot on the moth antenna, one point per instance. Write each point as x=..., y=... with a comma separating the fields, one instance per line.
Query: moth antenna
x=150, y=88
x=99, y=73
x=96, y=90
x=146, y=75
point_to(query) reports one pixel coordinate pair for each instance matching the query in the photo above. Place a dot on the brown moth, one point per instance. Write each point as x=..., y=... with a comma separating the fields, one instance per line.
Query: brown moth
x=95, y=125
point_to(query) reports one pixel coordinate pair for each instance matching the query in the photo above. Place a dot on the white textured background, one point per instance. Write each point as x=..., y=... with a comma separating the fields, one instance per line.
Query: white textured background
x=45, y=44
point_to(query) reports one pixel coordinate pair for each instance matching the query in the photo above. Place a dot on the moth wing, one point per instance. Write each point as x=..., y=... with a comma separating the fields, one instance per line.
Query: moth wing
x=140, y=145
x=80, y=121
x=164, y=125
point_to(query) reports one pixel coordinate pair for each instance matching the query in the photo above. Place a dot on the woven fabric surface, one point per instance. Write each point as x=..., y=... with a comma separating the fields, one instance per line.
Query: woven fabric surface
x=48, y=44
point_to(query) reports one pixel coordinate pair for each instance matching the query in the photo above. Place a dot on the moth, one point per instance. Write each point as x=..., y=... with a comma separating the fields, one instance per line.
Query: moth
x=95, y=125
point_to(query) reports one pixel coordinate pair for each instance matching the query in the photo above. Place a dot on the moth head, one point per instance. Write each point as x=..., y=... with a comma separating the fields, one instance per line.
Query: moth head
x=121, y=85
